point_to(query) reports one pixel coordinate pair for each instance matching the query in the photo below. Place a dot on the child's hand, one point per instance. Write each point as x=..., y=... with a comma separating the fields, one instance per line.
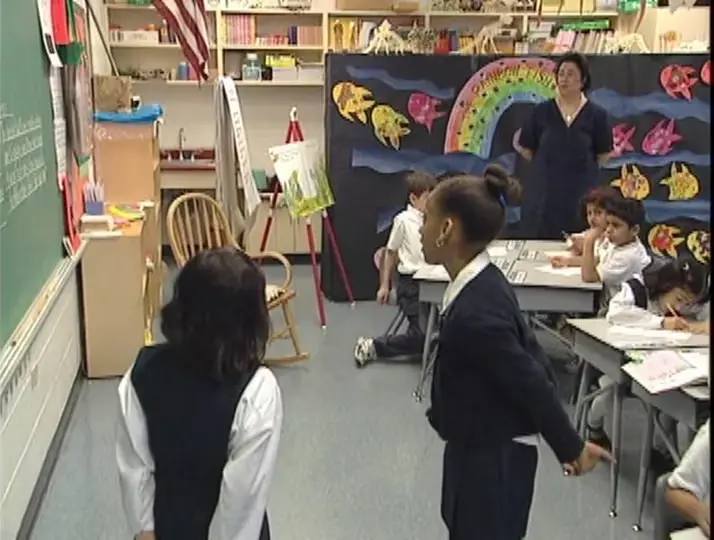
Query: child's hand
x=700, y=327
x=383, y=295
x=146, y=535
x=558, y=261
x=675, y=323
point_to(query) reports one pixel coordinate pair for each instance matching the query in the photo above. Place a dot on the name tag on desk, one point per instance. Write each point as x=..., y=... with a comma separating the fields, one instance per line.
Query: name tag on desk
x=517, y=276
x=530, y=254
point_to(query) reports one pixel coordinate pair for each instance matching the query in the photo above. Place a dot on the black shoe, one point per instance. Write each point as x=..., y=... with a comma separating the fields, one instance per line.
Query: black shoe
x=661, y=462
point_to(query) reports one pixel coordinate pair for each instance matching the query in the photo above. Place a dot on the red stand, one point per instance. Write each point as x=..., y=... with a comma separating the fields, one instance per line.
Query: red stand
x=295, y=135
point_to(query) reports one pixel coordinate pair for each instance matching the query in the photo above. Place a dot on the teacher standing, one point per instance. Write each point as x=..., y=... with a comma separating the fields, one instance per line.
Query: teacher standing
x=567, y=139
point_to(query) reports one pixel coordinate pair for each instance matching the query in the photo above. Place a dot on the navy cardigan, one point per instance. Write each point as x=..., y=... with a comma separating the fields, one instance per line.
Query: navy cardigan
x=492, y=380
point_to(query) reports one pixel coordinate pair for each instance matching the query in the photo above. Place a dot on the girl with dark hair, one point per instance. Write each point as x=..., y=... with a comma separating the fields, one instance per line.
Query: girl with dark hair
x=200, y=418
x=567, y=139
x=493, y=392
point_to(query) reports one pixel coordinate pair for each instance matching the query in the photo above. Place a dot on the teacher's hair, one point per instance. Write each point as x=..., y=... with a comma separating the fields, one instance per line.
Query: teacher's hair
x=479, y=203
x=217, y=321
x=582, y=65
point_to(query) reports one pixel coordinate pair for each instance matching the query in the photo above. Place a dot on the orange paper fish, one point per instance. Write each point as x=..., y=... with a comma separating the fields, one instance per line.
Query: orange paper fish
x=664, y=239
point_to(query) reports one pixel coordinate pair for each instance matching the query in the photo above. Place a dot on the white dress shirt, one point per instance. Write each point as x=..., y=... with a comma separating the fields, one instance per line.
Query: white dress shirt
x=469, y=272
x=252, y=453
x=617, y=264
x=693, y=474
x=405, y=240
x=623, y=311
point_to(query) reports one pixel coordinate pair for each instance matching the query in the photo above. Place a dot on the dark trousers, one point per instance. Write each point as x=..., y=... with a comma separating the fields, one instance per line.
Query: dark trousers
x=487, y=492
x=411, y=342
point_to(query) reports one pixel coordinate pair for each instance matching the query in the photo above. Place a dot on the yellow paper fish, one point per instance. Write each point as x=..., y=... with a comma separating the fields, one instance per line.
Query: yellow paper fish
x=664, y=239
x=682, y=183
x=633, y=184
x=389, y=125
x=352, y=100
x=699, y=244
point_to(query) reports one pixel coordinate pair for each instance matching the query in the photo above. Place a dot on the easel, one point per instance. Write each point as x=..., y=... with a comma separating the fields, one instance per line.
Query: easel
x=295, y=135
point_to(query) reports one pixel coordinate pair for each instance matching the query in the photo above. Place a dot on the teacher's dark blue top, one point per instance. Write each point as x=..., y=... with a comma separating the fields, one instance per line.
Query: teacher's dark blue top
x=564, y=167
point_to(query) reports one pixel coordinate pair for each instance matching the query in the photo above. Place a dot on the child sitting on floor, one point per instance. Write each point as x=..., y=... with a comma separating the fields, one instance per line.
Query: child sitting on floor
x=404, y=251
x=655, y=300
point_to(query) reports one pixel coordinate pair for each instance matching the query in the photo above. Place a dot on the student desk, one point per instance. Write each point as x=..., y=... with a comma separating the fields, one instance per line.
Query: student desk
x=687, y=405
x=539, y=291
x=538, y=250
x=593, y=344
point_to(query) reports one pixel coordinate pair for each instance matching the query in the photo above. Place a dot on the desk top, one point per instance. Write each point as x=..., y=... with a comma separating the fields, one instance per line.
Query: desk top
x=600, y=330
x=540, y=250
x=541, y=274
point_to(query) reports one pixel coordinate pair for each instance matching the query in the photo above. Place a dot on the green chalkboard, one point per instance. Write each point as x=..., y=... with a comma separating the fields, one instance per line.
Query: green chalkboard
x=31, y=214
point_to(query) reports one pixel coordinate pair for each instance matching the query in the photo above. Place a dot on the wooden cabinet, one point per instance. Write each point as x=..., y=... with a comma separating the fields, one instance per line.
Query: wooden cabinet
x=287, y=235
x=122, y=270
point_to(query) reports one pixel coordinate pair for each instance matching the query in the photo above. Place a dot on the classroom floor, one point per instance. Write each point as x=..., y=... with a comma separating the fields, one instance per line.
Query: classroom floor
x=358, y=460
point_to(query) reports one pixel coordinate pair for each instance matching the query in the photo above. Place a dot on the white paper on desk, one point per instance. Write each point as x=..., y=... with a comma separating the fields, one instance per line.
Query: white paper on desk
x=497, y=251
x=660, y=371
x=625, y=337
x=570, y=271
x=694, y=533
x=551, y=254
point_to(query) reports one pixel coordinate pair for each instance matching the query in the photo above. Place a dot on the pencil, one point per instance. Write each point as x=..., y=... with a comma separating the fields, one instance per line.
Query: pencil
x=673, y=313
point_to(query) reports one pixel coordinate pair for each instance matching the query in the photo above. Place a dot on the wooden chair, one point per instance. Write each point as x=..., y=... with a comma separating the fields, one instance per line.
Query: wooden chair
x=195, y=222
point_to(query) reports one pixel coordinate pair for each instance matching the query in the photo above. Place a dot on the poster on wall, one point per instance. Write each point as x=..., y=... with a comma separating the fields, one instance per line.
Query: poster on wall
x=386, y=116
x=302, y=177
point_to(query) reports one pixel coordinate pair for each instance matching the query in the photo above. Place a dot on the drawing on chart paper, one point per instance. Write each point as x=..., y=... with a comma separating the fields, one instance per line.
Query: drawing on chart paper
x=682, y=184
x=664, y=239
x=632, y=183
x=302, y=176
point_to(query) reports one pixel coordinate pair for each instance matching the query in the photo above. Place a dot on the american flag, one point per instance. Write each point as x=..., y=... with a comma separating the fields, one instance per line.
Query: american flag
x=187, y=19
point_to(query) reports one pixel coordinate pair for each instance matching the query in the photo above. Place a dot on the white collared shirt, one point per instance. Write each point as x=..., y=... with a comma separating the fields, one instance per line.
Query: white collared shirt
x=693, y=473
x=251, y=456
x=617, y=264
x=469, y=272
x=405, y=239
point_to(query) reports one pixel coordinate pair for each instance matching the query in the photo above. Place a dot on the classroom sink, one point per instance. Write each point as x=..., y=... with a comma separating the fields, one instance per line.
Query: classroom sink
x=187, y=159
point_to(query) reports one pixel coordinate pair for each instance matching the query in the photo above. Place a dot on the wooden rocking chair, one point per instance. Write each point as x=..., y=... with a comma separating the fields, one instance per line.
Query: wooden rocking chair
x=195, y=222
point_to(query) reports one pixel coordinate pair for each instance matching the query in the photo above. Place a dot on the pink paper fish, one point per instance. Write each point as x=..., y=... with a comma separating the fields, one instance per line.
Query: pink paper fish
x=422, y=109
x=660, y=139
x=622, y=139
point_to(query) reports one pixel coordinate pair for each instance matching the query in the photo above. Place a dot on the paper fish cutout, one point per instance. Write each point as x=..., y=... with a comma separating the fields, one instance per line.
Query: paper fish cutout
x=682, y=183
x=706, y=72
x=664, y=239
x=422, y=108
x=674, y=5
x=622, y=135
x=660, y=139
x=389, y=125
x=633, y=184
x=699, y=244
x=678, y=80
x=352, y=100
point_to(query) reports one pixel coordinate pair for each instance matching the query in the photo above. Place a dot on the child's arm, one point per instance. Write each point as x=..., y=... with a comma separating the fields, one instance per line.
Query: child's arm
x=563, y=262
x=135, y=462
x=577, y=241
x=689, y=484
x=623, y=311
x=589, y=265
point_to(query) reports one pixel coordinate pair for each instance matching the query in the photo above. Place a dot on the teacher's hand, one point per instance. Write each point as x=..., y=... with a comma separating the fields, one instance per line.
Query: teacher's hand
x=591, y=455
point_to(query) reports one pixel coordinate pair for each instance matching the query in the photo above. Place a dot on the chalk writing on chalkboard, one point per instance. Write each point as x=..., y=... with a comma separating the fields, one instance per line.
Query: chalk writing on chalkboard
x=22, y=158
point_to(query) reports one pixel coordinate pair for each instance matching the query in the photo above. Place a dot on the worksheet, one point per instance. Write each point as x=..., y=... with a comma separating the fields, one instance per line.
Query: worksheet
x=660, y=371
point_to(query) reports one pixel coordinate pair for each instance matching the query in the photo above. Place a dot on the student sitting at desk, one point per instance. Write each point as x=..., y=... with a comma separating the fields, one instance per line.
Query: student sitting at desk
x=200, y=418
x=493, y=392
x=654, y=300
x=593, y=211
x=684, y=498
x=404, y=252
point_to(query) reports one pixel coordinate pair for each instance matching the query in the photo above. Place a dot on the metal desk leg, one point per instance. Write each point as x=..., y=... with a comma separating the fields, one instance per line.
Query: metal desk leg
x=428, y=336
x=579, y=401
x=647, y=442
x=618, y=392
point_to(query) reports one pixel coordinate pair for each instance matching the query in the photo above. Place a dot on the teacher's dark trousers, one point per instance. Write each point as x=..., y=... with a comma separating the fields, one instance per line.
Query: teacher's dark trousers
x=487, y=492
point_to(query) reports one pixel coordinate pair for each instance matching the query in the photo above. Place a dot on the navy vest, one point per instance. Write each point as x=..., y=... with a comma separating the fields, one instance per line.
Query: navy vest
x=189, y=419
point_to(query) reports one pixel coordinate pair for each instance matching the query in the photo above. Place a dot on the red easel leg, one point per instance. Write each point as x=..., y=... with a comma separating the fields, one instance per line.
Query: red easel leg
x=269, y=221
x=315, y=273
x=338, y=256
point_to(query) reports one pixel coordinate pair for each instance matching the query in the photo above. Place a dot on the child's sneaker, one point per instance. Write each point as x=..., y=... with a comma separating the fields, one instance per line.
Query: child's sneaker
x=364, y=351
x=599, y=437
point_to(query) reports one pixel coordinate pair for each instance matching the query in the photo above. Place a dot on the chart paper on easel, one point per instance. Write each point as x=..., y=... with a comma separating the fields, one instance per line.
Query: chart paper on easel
x=302, y=176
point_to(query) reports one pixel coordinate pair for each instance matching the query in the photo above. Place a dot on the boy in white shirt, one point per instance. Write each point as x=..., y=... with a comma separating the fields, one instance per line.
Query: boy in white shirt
x=403, y=252
x=685, y=498
x=621, y=256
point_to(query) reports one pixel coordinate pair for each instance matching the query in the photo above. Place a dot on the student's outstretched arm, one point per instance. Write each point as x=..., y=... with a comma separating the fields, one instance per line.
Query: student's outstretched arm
x=253, y=452
x=589, y=268
x=135, y=462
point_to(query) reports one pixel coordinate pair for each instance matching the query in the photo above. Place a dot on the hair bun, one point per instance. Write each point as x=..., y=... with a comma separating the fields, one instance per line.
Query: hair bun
x=500, y=184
